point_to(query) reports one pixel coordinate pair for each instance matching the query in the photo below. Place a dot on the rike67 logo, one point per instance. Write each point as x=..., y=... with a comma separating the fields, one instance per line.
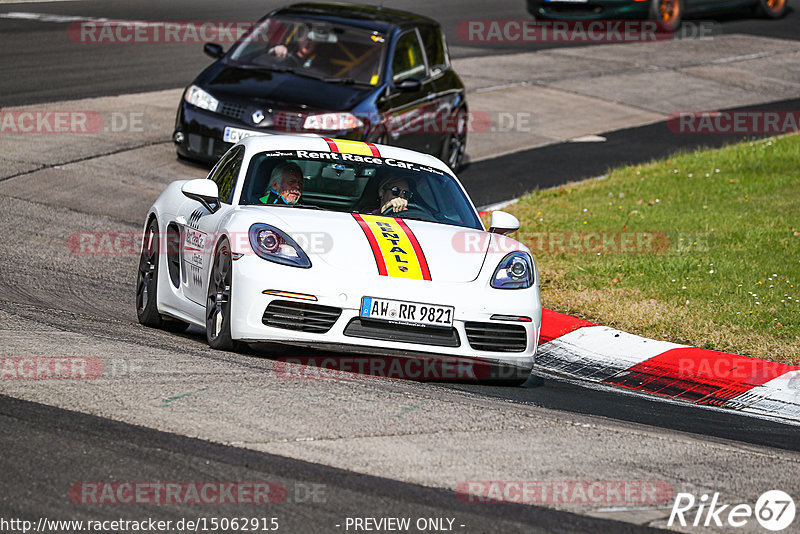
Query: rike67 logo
x=774, y=510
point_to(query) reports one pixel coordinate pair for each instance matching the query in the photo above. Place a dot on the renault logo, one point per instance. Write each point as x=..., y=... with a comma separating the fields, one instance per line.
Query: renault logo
x=258, y=116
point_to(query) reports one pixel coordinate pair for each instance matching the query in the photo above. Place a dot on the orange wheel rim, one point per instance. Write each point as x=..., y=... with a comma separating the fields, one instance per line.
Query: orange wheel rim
x=776, y=5
x=671, y=9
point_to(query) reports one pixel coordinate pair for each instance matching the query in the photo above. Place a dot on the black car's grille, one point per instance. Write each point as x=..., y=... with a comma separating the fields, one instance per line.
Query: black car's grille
x=496, y=337
x=440, y=337
x=312, y=318
x=208, y=146
x=231, y=110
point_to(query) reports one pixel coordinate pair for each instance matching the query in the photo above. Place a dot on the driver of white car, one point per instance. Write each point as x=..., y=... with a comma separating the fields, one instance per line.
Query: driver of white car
x=393, y=193
x=285, y=185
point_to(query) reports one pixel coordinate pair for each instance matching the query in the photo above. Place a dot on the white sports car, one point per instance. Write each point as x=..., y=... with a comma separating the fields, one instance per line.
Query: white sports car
x=232, y=256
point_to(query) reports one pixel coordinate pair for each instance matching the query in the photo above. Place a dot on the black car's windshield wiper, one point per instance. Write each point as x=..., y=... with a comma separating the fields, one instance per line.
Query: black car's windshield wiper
x=289, y=70
x=344, y=81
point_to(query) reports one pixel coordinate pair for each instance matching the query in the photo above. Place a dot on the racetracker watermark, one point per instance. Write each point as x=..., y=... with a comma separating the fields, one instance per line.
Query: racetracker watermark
x=584, y=242
x=575, y=492
x=177, y=493
x=138, y=32
x=421, y=120
x=578, y=31
x=50, y=368
x=381, y=367
x=742, y=122
x=719, y=366
x=69, y=122
x=226, y=32
x=125, y=243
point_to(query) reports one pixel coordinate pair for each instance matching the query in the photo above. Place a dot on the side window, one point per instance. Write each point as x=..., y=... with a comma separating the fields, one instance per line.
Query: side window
x=408, y=60
x=226, y=173
x=434, y=47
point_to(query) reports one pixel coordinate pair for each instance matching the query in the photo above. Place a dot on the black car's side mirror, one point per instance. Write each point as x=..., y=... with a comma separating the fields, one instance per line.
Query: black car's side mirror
x=409, y=85
x=214, y=50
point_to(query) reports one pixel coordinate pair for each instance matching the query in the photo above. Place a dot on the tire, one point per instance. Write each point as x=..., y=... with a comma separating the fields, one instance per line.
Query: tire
x=147, y=279
x=772, y=9
x=455, y=144
x=218, y=301
x=667, y=13
x=147, y=285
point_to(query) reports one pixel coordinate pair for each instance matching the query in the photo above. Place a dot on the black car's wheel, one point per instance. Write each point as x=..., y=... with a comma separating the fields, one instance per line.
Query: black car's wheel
x=455, y=144
x=668, y=13
x=218, y=301
x=773, y=9
x=147, y=285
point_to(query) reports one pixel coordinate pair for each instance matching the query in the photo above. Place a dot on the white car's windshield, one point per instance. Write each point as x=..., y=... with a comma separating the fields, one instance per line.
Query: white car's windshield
x=351, y=183
x=317, y=49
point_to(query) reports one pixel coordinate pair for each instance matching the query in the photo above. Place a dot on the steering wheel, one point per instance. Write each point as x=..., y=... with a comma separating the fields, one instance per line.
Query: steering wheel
x=414, y=211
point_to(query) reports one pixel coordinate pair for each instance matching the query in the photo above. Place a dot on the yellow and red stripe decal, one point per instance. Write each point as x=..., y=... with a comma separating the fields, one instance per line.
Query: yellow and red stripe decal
x=345, y=146
x=396, y=249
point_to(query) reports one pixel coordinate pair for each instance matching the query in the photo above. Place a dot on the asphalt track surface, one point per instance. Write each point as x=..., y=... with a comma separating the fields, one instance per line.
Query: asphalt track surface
x=40, y=62
x=47, y=449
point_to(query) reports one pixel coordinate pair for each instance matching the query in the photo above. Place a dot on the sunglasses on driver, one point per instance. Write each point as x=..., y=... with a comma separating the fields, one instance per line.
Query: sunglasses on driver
x=397, y=192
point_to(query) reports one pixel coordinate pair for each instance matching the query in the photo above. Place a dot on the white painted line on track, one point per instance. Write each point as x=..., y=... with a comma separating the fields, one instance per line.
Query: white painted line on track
x=588, y=139
x=47, y=17
x=36, y=1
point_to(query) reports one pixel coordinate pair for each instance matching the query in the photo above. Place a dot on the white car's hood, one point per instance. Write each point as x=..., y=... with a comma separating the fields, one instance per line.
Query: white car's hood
x=342, y=241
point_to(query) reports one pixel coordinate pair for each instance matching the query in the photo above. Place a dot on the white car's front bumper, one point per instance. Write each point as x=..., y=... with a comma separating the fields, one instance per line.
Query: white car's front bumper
x=474, y=303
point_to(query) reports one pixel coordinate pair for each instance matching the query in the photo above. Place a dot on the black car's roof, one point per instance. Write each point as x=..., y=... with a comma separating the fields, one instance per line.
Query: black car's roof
x=370, y=17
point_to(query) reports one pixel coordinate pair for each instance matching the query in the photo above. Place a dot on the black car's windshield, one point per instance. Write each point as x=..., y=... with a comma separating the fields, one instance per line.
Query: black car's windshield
x=352, y=183
x=311, y=48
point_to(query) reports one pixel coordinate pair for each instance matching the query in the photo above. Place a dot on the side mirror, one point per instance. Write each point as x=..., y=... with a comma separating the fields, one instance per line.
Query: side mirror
x=214, y=50
x=503, y=223
x=204, y=191
x=409, y=85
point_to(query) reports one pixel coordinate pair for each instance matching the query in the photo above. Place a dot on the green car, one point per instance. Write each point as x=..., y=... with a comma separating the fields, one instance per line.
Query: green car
x=668, y=12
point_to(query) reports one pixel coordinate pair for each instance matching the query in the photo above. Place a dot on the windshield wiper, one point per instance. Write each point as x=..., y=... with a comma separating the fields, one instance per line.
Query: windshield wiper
x=285, y=70
x=344, y=81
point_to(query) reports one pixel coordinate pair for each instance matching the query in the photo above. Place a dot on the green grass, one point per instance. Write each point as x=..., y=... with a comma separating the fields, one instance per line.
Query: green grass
x=723, y=271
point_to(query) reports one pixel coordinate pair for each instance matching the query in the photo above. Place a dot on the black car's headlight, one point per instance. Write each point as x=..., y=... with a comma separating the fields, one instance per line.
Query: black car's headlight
x=515, y=271
x=271, y=244
x=197, y=97
x=332, y=122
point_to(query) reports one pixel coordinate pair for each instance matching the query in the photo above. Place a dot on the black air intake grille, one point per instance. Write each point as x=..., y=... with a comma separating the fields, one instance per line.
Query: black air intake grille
x=440, y=337
x=496, y=337
x=301, y=316
x=231, y=110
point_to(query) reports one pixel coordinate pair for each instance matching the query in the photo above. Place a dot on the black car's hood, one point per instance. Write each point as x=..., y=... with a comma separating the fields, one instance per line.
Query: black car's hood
x=226, y=81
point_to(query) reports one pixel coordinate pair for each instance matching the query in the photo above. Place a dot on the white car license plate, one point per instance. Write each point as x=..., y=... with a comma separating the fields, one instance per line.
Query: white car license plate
x=234, y=135
x=401, y=311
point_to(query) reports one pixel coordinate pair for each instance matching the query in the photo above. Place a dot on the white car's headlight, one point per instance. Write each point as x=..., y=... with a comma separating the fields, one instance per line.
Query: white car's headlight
x=332, y=122
x=515, y=271
x=271, y=244
x=197, y=97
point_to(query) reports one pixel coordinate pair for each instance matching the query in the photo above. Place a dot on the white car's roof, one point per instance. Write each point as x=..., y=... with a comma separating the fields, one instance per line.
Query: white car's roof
x=261, y=143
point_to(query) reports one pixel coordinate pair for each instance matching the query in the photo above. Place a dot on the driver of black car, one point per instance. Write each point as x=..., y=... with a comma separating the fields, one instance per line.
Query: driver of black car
x=300, y=51
x=393, y=195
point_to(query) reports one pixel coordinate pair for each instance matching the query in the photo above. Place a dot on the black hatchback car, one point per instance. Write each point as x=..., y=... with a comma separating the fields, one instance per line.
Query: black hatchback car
x=333, y=70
